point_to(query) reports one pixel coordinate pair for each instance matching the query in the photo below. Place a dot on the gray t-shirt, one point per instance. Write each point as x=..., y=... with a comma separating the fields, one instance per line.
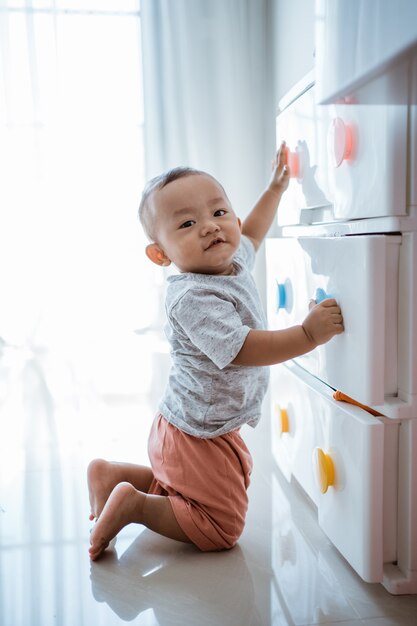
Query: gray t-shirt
x=209, y=318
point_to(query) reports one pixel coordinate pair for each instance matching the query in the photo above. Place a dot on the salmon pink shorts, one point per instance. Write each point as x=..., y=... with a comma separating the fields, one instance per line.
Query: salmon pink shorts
x=206, y=481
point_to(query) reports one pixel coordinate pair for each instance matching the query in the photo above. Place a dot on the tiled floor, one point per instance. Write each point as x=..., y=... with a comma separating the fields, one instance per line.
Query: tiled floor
x=283, y=571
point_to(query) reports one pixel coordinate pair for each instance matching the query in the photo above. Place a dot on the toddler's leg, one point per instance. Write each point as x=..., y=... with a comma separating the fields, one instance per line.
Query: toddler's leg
x=126, y=505
x=103, y=476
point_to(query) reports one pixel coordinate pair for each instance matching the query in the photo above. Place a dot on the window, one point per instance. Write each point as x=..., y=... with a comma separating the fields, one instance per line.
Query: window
x=72, y=266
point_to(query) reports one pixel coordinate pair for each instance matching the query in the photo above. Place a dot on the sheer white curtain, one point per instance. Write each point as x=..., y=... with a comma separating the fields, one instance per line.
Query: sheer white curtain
x=73, y=275
x=208, y=89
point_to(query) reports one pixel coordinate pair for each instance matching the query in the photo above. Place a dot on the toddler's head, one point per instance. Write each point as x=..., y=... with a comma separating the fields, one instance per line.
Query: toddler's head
x=188, y=217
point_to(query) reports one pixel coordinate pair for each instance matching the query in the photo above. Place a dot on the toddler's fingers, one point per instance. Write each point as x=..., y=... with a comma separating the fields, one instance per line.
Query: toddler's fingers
x=329, y=302
x=334, y=310
x=311, y=304
x=280, y=158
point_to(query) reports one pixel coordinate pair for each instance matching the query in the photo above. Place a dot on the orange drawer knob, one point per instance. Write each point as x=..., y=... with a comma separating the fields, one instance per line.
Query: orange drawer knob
x=324, y=469
x=294, y=163
x=283, y=420
x=341, y=141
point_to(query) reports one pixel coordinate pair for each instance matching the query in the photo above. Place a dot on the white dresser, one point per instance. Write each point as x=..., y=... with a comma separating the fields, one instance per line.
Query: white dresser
x=348, y=230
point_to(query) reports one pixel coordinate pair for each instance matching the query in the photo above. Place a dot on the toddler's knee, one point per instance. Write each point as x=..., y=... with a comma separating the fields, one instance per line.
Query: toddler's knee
x=230, y=543
x=219, y=544
x=96, y=467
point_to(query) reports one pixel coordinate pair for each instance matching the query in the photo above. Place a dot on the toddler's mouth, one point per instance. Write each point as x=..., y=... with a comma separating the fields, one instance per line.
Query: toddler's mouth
x=215, y=242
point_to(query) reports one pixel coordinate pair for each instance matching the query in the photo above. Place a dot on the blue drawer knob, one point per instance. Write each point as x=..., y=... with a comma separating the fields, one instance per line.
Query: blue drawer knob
x=322, y=295
x=284, y=297
x=281, y=296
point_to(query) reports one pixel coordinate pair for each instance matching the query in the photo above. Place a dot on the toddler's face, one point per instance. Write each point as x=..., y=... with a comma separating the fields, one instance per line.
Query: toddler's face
x=196, y=227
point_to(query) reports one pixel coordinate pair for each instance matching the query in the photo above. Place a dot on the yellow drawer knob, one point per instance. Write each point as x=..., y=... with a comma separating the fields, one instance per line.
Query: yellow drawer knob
x=283, y=420
x=324, y=469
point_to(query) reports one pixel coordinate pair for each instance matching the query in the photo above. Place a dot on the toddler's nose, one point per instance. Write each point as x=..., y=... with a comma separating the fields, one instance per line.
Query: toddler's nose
x=209, y=227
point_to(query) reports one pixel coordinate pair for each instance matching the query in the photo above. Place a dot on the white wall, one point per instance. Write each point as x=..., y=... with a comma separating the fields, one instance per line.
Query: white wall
x=294, y=42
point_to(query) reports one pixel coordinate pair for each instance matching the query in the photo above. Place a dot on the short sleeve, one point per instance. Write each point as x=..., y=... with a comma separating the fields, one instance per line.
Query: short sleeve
x=246, y=253
x=211, y=323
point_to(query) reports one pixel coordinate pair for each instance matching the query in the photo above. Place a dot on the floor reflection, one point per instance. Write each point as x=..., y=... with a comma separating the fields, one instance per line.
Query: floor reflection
x=297, y=566
x=181, y=585
x=283, y=572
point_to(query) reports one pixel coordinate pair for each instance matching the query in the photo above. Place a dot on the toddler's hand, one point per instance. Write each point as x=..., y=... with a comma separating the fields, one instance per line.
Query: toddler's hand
x=280, y=177
x=324, y=321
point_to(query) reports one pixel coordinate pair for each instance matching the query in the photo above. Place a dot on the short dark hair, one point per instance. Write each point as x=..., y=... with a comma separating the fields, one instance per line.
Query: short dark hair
x=157, y=183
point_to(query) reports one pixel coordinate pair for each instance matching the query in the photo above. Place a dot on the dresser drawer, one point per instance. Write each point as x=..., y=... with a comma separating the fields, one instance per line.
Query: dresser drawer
x=295, y=431
x=362, y=274
x=347, y=162
x=336, y=453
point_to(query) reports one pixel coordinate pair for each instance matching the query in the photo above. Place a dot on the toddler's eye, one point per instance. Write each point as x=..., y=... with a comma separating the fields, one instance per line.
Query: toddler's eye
x=219, y=213
x=187, y=224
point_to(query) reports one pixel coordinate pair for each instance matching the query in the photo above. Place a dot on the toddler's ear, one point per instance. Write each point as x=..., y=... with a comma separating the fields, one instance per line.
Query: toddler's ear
x=157, y=255
x=240, y=224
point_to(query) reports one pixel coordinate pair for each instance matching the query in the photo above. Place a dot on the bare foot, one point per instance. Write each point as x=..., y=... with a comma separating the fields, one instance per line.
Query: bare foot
x=123, y=507
x=102, y=479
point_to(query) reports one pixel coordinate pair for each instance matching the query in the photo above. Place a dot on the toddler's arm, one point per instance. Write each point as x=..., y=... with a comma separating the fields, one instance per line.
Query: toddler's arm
x=268, y=347
x=259, y=220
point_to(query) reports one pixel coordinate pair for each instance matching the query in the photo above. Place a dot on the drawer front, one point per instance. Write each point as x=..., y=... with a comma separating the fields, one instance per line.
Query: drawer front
x=350, y=510
x=362, y=274
x=295, y=431
x=283, y=426
x=349, y=158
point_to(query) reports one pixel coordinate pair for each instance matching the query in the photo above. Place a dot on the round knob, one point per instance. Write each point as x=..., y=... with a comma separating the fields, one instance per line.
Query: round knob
x=294, y=163
x=281, y=296
x=284, y=297
x=340, y=141
x=323, y=469
x=321, y=295
x=282, y=419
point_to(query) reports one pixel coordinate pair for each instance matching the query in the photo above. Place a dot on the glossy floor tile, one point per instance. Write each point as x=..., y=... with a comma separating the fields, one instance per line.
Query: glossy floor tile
x=284, y=571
